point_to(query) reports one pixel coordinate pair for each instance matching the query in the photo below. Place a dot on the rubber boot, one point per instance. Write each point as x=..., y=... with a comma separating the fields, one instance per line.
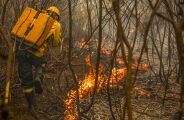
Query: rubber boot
x=31, y=103
x=30, y=100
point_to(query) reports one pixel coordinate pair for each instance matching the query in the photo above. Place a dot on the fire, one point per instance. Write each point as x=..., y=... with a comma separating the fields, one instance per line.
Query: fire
x=119, y=61
x=87, y=86
x=141, y=92
x=106, y=51
x=140, y=66
x=88, y=60
x=82, y=44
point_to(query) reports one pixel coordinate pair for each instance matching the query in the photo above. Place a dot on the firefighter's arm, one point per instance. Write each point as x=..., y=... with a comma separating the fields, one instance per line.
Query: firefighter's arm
x=57, y=34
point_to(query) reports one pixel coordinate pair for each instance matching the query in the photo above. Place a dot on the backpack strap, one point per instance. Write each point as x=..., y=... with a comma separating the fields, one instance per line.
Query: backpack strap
x=32, y=24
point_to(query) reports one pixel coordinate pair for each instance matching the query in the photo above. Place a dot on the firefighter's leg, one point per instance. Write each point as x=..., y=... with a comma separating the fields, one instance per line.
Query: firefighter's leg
x=30, y=99
x=39, y=64
x=25, y=74
x=39, y=79
x=26, y=77
x=31, y=102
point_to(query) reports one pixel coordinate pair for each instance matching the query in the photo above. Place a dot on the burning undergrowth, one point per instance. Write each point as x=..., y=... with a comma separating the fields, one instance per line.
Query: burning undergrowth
x=87, y=85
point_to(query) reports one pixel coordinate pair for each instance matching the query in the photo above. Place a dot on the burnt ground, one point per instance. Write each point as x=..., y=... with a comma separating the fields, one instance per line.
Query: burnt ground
x=58, y=81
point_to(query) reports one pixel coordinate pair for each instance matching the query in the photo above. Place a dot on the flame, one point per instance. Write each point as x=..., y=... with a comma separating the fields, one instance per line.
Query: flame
x=88, y=60
x=106, y=51
x=87, y=86
x=141, y=92
x=140, y=66
x=119, y=61
x=82, y=44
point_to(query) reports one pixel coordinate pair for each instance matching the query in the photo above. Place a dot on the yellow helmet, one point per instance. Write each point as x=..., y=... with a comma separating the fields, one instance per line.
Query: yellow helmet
x=54, y=9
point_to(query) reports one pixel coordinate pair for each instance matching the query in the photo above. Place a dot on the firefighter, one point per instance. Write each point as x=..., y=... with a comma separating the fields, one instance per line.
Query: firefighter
x=29, y=58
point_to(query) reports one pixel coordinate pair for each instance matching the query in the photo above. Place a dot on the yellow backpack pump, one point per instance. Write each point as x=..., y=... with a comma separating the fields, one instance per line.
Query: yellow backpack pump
x=32, y=27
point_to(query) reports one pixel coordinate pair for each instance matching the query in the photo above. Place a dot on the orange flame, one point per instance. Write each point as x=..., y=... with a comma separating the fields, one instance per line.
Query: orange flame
x=141, y=92
x=140, y=66
x=82, y=43
x=105, y=51
x=119, y=61
x=87, y=86
x=88, y=60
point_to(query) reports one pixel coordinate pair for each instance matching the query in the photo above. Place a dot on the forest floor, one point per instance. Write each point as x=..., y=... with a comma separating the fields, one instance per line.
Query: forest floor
x=58, y=81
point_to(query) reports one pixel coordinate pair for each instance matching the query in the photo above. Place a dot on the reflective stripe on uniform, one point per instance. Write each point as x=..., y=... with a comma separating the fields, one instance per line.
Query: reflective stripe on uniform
x=43, y=65
x=27, y=90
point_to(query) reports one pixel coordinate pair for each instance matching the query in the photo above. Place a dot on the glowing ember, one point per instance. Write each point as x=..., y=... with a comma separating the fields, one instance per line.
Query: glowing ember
x=87, y=85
